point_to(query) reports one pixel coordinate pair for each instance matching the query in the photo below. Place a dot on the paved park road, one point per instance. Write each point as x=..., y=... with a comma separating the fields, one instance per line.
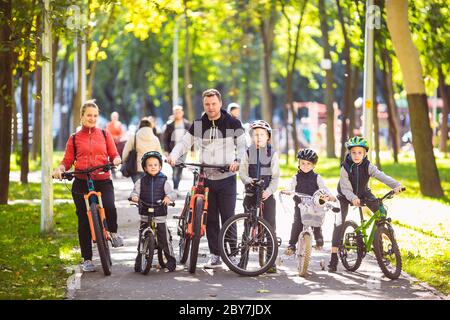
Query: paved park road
x=124, y=283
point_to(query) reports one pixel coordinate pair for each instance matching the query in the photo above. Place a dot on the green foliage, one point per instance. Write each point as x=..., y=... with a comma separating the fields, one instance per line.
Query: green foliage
x=32, y=265
x=19, y=191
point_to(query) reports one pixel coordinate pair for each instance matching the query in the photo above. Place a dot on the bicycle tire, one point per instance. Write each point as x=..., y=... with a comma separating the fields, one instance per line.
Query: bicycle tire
x=241, y=268
x=304, y=253
x=147, y=257
x=198, y=211
x=378, y=247
x=184, y=242
x=102, y=243
x=344, y=248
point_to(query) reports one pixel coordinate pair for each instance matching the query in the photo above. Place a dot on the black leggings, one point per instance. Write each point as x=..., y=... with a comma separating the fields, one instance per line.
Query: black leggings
x=79, y=188
x=371, y=202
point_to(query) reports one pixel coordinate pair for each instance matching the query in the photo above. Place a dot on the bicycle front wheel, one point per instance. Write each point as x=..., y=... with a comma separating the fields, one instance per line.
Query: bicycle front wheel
x=304, y=253
x=387, y=252
x=184, y=242
x=102, y=243
x=351, y=252
x=198, y=211
x=244, y=242
x=148, y=249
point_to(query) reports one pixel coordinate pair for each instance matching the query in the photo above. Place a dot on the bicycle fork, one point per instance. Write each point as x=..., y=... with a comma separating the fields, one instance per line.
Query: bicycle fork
x=101, y=211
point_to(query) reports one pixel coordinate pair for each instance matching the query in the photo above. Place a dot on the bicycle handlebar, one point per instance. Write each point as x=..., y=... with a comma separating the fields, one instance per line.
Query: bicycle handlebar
x=304, y=196
x=224, y=168
x=69, y=175
x=143, y=203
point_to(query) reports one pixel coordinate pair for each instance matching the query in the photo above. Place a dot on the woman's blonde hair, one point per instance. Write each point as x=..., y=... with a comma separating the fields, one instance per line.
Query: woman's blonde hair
x=88, y=104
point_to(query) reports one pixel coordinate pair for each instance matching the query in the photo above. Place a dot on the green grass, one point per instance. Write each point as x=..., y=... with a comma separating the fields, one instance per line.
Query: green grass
x=32, y=265
x=434, y=270
x=426, y=257
x=34, y=165
x=19, y=191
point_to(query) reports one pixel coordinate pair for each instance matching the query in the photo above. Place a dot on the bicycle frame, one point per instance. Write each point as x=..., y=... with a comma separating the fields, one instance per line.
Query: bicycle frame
x=374, y=221
x=198, y=190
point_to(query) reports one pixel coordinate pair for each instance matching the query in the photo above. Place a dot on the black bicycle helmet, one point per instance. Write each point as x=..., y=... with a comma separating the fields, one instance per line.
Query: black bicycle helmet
x=308, y=155
x=151, y=154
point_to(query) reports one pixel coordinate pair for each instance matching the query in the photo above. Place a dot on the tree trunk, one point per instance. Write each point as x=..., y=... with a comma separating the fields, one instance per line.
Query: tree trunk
x=187, y=69
x=36, y=145
x=388, y=94
x=64, y=130
x=445, y=95
x=347, y=84
x=408, y=57
x=376, y=126
x=329, y=94
x=6, y=96
x=267, y=28
x=24, y=156
x=354, y=122
x=76, y=103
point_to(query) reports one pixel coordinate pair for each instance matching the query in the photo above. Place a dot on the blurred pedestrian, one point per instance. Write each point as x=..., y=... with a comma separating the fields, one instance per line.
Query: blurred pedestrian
x=145, y=140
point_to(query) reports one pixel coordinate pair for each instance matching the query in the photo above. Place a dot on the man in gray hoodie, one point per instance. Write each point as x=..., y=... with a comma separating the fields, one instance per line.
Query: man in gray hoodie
x=220, y=140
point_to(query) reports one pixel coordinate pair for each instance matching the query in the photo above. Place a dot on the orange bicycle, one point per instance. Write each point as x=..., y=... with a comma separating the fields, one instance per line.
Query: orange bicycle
x=96, y=215
x=192, y=221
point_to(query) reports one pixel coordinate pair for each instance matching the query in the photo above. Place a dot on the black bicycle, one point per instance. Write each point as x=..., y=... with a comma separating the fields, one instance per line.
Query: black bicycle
x=248, y=243
x=148, y=238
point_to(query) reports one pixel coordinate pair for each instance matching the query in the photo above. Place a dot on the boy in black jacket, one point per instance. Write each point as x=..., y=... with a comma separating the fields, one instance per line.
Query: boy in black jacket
x=151, y=188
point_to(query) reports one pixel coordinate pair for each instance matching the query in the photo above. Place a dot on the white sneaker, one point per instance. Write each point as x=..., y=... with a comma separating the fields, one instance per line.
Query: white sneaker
x=116, y=240
x=213, y=262
x=87, y=266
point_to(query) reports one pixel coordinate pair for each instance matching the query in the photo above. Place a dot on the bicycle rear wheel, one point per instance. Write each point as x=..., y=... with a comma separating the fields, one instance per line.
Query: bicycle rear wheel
x=198, y=211
x=102, y=243
x=303, y=253
x=242, y=241
x=350, y=251
x=387, y=252
x=184, y=242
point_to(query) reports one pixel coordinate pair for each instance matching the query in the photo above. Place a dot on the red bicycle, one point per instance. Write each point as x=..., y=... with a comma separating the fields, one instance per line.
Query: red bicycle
x=192, y=221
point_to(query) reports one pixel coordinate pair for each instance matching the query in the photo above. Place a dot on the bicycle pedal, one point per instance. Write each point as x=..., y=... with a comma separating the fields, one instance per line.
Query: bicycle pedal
x=176, y=217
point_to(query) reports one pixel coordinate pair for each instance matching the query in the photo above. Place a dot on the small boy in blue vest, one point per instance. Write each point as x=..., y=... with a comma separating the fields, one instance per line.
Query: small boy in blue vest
x=308, y=182
x=353, y=186
x=269, y=167
x=152, y=188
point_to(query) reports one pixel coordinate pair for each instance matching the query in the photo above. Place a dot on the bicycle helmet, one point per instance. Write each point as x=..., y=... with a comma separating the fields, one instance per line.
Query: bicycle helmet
x=308, y=155
x=261, y=124
x=357, y=142
x=151, y=154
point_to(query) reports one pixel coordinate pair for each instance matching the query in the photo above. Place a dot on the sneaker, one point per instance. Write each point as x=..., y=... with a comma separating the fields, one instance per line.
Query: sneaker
x=87, y=266
x=332, y=266
x=234, y=260
x=213, y=262
x=290, y=251
x=272, y=269
x=116, y=240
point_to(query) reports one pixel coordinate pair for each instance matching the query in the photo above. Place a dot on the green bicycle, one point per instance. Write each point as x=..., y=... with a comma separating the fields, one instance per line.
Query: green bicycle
x=357, y=242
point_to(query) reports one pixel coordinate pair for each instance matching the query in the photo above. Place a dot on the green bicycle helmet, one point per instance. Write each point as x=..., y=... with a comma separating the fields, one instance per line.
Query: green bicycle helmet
x=357, y=142
x=151, y=154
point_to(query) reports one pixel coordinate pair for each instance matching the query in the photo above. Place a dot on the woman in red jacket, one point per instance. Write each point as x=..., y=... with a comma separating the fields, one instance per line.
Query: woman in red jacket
x=93, y=147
